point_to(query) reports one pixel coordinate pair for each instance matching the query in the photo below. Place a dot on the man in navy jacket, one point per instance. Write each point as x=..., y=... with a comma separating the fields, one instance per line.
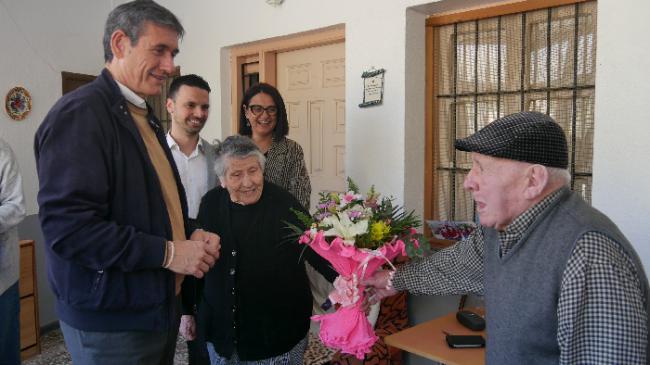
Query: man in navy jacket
x=112, y=206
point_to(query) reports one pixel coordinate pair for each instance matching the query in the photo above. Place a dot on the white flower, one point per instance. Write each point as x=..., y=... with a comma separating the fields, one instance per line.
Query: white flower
x=342, y=226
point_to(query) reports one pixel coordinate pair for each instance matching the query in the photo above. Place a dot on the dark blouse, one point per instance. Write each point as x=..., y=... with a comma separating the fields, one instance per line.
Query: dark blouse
x=285, y=167
x=256, y=299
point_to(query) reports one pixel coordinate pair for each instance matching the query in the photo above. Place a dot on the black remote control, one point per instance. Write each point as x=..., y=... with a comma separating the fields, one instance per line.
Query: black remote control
x=471, y=320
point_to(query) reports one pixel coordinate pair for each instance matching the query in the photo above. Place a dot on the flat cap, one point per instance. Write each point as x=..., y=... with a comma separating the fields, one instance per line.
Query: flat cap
x=525, y=136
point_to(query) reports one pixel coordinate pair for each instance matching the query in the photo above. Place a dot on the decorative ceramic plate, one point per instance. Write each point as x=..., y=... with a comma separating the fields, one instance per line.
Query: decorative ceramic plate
x=18, y=103
x=448, y=230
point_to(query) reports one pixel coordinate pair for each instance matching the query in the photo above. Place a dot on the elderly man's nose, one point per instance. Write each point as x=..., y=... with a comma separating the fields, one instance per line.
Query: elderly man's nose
x=469, y=183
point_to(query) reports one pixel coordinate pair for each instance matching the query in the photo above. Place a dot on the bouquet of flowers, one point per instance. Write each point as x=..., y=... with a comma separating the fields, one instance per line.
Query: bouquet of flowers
x=357, y=234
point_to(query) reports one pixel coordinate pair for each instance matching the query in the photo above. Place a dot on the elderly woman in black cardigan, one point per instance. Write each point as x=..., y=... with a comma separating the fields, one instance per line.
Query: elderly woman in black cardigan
x=255, y=303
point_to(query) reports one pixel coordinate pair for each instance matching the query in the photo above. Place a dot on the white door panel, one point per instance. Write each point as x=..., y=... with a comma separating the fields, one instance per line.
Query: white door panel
x=312, y=83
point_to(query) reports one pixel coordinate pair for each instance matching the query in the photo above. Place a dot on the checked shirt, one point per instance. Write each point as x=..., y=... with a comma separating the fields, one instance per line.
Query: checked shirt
x=601, y=309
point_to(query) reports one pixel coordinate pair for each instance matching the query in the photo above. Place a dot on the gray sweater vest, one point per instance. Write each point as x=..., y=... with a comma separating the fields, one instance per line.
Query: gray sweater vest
x=523, y=287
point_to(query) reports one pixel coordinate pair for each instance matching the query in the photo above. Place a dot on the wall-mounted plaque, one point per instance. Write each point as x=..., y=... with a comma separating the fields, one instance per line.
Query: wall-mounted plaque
x=373, y=87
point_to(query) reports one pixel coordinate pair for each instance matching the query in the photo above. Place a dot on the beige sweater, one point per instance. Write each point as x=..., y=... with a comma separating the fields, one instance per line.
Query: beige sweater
x=165, y=176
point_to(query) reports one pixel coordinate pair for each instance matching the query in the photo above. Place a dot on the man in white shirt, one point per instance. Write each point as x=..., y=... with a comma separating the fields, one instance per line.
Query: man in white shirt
x=188, y=103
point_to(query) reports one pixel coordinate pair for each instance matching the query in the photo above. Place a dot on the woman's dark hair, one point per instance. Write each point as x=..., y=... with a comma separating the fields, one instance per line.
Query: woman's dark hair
x=281, y=123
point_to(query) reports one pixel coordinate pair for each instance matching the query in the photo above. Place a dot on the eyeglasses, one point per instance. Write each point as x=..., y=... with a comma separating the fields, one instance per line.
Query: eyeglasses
x=257, y=110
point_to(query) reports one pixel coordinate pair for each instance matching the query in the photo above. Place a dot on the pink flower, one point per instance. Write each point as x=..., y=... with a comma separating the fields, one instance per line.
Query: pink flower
x=416, y=243
x=355, y=214
x=326, y=205
x=323, y=215
x=349, y=197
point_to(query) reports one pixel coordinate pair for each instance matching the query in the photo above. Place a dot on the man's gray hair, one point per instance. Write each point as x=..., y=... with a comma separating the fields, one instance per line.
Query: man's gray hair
x=238, y=147
x=131, y=18
x=559, y=175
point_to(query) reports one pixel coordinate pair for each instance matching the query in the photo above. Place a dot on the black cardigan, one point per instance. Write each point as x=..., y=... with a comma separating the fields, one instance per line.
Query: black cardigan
x=256, y=299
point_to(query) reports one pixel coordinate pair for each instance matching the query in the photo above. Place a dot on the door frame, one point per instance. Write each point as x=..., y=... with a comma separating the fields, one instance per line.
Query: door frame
x=265, y=53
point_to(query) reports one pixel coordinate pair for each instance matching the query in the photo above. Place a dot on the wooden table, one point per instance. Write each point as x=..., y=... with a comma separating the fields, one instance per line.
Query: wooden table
x=427, y=340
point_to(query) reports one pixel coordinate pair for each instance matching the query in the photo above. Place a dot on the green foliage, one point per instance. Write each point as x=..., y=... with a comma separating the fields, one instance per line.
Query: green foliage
x=305, y=219
x=352, y=186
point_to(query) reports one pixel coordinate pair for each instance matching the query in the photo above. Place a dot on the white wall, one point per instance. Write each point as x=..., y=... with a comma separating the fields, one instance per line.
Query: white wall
x=39, y=40
x=622, y=130
x=371, y=40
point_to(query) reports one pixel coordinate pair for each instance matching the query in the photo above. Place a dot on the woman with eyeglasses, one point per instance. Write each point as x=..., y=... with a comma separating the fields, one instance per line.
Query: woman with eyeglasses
x=263, y=117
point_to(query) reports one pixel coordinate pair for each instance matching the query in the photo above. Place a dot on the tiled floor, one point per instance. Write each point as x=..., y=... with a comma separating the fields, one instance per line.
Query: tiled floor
x=53, y=352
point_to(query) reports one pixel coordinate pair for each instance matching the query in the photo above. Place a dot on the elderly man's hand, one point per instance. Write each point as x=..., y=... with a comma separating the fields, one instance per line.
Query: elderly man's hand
x=375, y=295
x=187, y=327
x=379, y=286
x=196, y=256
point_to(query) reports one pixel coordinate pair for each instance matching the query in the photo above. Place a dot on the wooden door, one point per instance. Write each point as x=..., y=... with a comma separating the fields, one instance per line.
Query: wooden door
x=312, y=83
x=72, y=80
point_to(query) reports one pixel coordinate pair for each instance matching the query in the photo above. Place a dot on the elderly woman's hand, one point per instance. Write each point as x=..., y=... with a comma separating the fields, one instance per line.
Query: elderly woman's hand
x=212, y=239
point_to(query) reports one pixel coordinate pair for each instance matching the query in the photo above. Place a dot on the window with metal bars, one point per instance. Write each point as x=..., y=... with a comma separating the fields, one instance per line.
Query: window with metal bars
x=541, y=60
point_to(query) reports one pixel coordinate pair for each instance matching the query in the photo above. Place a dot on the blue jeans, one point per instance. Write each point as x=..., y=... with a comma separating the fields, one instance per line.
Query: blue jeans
x=10, y=326
x=113, y=348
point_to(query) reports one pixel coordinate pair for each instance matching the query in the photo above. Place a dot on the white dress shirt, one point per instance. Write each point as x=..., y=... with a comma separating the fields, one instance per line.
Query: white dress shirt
x=194, y=173
x=132, y=97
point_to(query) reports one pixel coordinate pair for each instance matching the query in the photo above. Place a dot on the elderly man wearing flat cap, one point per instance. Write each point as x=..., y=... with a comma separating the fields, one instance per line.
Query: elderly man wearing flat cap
x=562, y=284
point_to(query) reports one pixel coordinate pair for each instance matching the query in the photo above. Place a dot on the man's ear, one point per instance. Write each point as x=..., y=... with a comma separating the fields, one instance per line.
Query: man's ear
x=118, y=45
x=536, y=181
x=170, y=105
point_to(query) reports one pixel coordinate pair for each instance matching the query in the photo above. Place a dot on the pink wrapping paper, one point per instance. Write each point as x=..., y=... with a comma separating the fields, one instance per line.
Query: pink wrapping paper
x=348, y=329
